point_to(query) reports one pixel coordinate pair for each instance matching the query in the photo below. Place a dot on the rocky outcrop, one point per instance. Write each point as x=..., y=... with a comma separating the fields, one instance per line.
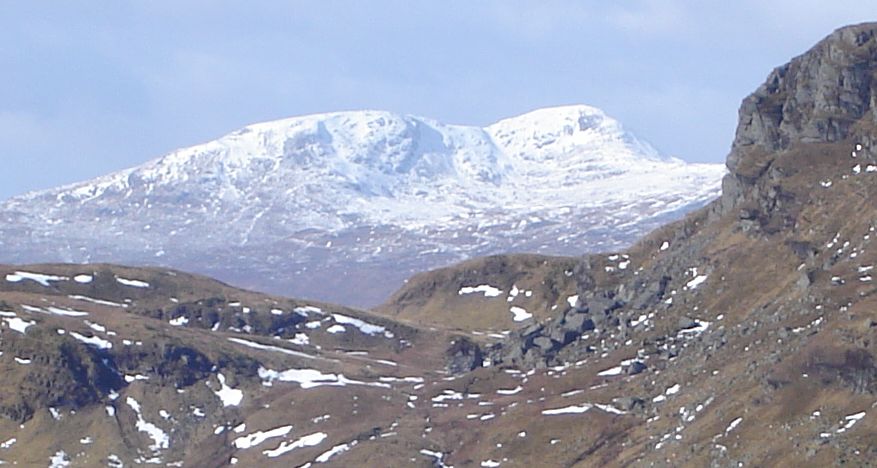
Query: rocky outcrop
x=462, y=356
x=825, y=95
x=52, y=370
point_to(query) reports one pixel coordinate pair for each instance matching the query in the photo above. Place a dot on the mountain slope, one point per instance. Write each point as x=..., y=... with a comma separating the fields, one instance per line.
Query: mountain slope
x=107, y=365
x=345, y=206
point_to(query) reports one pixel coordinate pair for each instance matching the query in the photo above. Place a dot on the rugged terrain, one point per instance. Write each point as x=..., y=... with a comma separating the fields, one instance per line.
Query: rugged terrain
x=344, y=207
x=742, y=335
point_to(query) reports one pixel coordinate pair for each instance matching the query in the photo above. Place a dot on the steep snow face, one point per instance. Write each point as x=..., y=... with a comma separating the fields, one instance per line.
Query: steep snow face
x=356, y=195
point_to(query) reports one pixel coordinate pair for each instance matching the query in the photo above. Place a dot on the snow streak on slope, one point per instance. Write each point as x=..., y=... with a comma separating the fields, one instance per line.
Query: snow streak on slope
x=305, y=204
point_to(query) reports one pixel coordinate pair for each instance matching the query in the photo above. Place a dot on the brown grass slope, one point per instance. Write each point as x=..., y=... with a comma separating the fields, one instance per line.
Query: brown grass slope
x=76, y=342
x=438, y=298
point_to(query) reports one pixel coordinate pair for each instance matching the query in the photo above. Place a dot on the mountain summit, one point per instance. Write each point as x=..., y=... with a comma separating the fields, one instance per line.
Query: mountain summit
x=364, y=199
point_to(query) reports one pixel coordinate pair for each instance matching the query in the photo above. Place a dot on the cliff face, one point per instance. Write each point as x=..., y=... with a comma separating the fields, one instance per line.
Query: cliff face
x=828, y=94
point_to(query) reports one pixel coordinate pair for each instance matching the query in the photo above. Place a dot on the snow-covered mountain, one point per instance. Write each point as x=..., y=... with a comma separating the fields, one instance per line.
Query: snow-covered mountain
x=345, y=206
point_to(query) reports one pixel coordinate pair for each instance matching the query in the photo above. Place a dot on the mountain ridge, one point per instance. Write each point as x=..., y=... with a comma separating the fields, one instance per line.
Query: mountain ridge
x=308, y=196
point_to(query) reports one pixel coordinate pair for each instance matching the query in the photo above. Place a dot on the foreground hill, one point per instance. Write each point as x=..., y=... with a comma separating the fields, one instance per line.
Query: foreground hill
x=742, y=335
x=343, y=207
x=106, y=365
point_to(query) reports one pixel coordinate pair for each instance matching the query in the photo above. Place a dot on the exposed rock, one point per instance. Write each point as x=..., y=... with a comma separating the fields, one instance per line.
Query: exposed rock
x=544, y=343
x=62, y=374
x=577, y=322
x=463, y=355
x=817, y=97
x=629, y=403
x=685, y=323
x=636, y=367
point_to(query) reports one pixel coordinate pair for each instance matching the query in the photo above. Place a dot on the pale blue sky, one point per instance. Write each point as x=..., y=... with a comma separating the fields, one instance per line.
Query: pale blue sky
x=93, y=87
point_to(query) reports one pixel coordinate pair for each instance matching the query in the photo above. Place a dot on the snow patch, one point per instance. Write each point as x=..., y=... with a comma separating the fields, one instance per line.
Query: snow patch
x=44, y=280
x=573, y=409
x=179, y=321
x=132, y=282
x=311, y=378
x=229, y=396
x=17, y=324
x=338, y=449
x=59, y=460
x=160, y=439
x=97, y=301
x=617, y=370
x=305, y=441
x=305, y=311
x=258, y=437
x=95, y=341
x=487, y=290
x=364, y=327
x=262, y=347
x=697, y=281
x=572, y=300
x=733, y=425
x=519, y=314
x=83, y=279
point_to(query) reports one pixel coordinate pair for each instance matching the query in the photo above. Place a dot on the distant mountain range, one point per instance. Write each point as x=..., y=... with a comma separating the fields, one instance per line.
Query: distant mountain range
x=345, y=206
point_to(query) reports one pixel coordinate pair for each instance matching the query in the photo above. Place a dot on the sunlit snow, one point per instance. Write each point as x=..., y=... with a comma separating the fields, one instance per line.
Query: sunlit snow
x=229, y=396
x=485, y=289
x=44, y=280
x=132, y=282
x=305, y=441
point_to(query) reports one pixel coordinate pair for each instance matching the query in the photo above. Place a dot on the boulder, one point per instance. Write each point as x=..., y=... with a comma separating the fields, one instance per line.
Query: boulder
x=544, y=343
x=685, y=323
x=578, y=322
x=636, y=367
x=463, y=356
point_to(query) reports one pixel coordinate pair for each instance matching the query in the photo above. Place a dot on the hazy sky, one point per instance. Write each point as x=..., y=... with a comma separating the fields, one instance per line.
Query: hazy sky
x=93, y=87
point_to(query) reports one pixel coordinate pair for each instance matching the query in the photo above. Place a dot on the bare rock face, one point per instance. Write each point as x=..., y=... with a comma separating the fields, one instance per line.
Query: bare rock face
x=825, y=95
